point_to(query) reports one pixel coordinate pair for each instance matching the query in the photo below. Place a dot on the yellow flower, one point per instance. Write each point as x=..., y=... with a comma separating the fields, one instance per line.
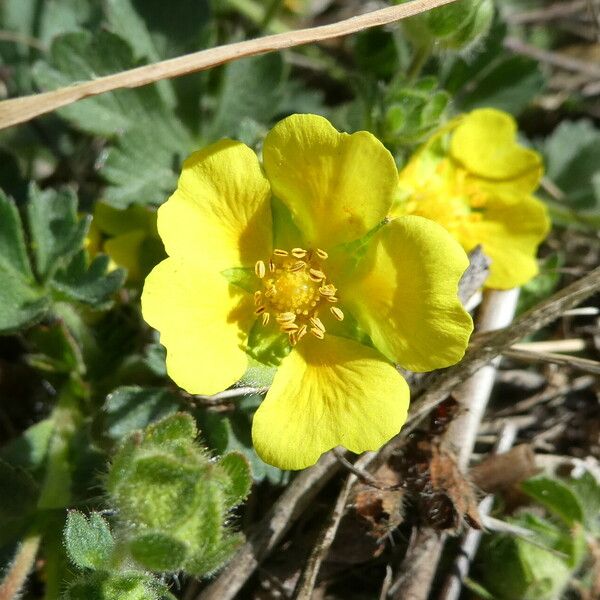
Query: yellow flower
x=128, y=236
x=476, y=180
x=299, y=259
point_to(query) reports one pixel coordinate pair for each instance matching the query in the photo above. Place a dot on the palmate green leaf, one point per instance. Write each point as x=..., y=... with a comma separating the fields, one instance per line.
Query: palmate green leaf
x=150, y=141
x=56, y=231
x=250, y=88
x=89, y=542
x=491, y=76
x=22, y=300
x=572, y=155
x=81, y=56
x=57, y=237
x=130, y=408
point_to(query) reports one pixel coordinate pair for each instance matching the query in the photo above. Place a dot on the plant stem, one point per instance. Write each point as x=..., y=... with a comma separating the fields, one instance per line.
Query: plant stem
x=20, y=567
x=420, y=57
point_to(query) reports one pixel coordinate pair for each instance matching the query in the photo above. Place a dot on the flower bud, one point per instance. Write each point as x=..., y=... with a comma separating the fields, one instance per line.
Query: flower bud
x=452, y=27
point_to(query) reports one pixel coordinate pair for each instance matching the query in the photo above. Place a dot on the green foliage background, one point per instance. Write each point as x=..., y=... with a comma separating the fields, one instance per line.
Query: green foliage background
x=91, y=421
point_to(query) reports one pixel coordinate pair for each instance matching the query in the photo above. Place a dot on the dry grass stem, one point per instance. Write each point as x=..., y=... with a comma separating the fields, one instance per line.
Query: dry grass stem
x=20, y=110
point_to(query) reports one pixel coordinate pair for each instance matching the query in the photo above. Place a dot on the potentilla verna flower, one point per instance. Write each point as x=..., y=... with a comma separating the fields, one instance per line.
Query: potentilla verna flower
x=476, y=180
x=296, y=265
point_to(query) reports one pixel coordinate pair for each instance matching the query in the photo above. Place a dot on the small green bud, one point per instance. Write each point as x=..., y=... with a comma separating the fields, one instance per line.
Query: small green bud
x=452, y=27
x=174, y=499
x=102, y=585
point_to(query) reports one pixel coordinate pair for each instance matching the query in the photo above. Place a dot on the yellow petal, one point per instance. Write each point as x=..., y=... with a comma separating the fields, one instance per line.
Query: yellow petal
x=328, y=393
x=484, y=142
x=201, y=320
x=405, y=296
x=337, y=186
x=510, y=230
x=220, y=214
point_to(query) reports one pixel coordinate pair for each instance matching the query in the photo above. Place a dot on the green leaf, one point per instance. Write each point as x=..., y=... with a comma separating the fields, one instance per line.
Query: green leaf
x=22, y=300
x=158, y=552
x=587, y=490
x=81, y=56
x=572, y=156
x=29, y=450
x=56, y=232
x=557, y=497
x=130, y=408
x=152, y=141
x=491, y=76
x=89, y=543
x=237, y=467
x=19, y=492
x=251, y=88
x=91, y=284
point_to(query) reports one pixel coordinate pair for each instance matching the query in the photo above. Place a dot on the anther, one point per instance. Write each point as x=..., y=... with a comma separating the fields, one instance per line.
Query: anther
x=337, y=313
x=301, y=332
x=271, y=266
x=316, y=275
x=332, y=299
x=327, y=290
x=265, y=318
x=317, y=333
x=257, y=298
x=260, y=269
x=322, y=254
x=316, y=322
x=260, y=310
x=289, y=327
x=286, y=317
x=298, y=252
x=297, y=266
x=280, y=252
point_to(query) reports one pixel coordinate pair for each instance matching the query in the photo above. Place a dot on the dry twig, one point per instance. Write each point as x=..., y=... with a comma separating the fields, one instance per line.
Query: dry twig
x=20, y=110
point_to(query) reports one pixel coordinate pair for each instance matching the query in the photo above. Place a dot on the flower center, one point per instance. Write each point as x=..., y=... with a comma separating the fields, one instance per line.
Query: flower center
x=295, y=290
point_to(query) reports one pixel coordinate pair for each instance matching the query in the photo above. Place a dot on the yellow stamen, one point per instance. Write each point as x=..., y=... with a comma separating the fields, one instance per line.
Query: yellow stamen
x=260, y=269
x=295, y=290
x=316, y=322
x=316, y=274
x=337, y=313
x=317, y=333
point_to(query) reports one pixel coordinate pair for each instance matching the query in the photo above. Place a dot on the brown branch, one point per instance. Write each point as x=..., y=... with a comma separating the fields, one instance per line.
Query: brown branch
x=574, y=362
x=20, y=110
x=554, y=59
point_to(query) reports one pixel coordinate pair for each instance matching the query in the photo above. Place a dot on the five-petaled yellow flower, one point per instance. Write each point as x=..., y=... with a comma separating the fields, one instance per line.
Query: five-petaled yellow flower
x=302, y=253
x=476, y=180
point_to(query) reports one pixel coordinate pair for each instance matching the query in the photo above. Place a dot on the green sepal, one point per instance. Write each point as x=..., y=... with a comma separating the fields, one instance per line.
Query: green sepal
x=267, y=345
x=239, y=477
x=242, y=277
x=89, y=542
x=157, y=551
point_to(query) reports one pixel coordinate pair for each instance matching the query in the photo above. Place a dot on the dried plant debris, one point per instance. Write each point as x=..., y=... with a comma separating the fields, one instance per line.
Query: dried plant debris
x=444, y=497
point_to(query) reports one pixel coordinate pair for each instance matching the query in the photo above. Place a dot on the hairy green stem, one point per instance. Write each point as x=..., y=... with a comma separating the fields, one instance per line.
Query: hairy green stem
x=20, y=568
